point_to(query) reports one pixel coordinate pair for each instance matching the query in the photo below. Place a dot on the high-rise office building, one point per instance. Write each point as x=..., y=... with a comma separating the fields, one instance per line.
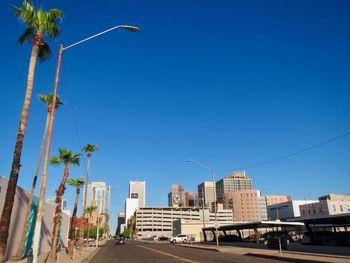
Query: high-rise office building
x=98, y=194
x=206, y=194
x=131, y=204
x=235, y=182
x=245, y=204
x=176, y=196
x=120, y=221
x=52, y=201
x=138, y=190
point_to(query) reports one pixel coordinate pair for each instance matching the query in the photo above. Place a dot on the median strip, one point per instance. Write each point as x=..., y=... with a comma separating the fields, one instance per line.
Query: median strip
x=169, y=255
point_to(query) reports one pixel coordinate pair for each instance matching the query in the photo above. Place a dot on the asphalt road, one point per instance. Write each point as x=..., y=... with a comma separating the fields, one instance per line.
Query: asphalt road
x=136, y=251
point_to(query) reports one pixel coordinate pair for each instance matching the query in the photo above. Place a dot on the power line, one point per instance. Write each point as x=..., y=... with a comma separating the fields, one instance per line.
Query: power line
x=291, y=154
x=72, y=108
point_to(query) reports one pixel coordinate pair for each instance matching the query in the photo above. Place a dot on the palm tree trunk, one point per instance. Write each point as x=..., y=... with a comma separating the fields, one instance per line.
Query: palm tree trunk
x=31, y=194
x=85, y=196
x=58, y=211
x=16, y=162
x=73, y=224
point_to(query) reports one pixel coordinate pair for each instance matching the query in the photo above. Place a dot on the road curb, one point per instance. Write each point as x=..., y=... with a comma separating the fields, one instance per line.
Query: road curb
x=288, y=259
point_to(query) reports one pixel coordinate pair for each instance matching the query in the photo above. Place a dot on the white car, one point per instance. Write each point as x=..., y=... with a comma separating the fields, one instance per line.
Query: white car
x=180, y=238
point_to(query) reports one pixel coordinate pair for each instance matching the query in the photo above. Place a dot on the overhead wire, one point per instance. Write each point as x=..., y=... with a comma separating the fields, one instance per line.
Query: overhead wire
x=67, y=88
x=290, y=154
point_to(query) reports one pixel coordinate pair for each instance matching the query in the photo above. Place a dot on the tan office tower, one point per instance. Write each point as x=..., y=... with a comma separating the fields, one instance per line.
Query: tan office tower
x=235, y=182
x=245, y=204
x=137, y=190
x=176, y=196
x=206, y=194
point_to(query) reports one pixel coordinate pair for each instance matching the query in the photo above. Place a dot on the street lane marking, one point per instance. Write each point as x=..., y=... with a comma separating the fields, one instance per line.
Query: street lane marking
x=169, y=255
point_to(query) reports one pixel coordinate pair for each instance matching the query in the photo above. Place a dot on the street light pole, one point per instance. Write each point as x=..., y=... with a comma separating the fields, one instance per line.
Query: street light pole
x=49, y=137
x=212, y=172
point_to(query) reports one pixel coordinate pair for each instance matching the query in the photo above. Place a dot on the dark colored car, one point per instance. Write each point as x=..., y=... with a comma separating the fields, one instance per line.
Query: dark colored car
x=229, y=238
x=163, y=238
x=120, y=242
x=274, y=241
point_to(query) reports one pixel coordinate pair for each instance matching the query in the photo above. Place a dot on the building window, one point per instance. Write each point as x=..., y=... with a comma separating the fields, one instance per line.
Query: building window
x=334, y=209
x=341, y=208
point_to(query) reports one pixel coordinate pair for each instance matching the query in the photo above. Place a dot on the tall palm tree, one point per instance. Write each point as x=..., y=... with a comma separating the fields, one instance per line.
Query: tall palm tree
x=88, y=149
x=67, y=158
x=38, y=23
x=77, y=183
x=89, y=211
x=47, y=100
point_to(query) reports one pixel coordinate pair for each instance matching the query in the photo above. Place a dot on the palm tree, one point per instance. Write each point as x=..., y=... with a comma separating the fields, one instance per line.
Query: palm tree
x=77, y=183
x=88, y=149
x=47, y=100
x=38, y=23
x=89, y=211
x=67, y=158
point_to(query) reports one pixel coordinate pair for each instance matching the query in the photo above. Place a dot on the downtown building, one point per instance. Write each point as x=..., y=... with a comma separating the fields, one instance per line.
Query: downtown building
x=206, y=194
x=179, y=198
x=246, y=205
x=332, y=204
x=159, y=221
x=137, y=190
x=237, y=181
x=98, y=194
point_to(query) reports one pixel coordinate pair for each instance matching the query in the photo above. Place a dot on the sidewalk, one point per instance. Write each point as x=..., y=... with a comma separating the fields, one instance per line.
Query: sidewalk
x=291, y=256
x=79, y=257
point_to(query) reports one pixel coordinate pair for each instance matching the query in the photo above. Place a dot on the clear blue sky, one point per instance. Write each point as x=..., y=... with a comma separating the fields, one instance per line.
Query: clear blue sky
x=228, y=83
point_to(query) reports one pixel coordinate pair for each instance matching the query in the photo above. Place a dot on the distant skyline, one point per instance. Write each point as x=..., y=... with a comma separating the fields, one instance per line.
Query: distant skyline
x=228, y=83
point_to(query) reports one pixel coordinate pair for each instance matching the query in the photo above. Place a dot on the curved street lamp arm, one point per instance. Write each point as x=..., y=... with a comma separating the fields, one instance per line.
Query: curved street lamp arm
x=126, y=27
x=200, y=164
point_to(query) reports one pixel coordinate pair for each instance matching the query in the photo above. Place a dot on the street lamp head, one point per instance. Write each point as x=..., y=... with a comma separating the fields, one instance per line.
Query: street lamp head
x=131, y=28
x=189, y=161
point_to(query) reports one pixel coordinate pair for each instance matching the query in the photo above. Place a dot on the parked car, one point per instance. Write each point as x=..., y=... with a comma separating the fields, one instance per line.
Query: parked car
x=163, y=238
x=274, y=240
x=229, y=238
x=319, y=238
x=120, y=242
x=180, y=238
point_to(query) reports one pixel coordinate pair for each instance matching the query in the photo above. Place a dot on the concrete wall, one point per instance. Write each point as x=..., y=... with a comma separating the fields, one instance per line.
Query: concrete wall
x=18, y=217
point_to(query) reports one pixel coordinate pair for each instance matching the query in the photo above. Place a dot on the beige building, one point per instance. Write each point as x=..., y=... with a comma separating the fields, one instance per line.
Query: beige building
x=158, y=221
x=331, y=204
x=277, y=199
x=244, y=204
x=237, y=181
x=190, y=199
x=206, y=194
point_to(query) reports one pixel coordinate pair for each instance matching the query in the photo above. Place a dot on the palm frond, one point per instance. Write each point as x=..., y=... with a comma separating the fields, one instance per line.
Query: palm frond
x=55, y=161
x=76, y=182
x=44, y=52
x=47, y=100
x=90, y=148
x=27, y=36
